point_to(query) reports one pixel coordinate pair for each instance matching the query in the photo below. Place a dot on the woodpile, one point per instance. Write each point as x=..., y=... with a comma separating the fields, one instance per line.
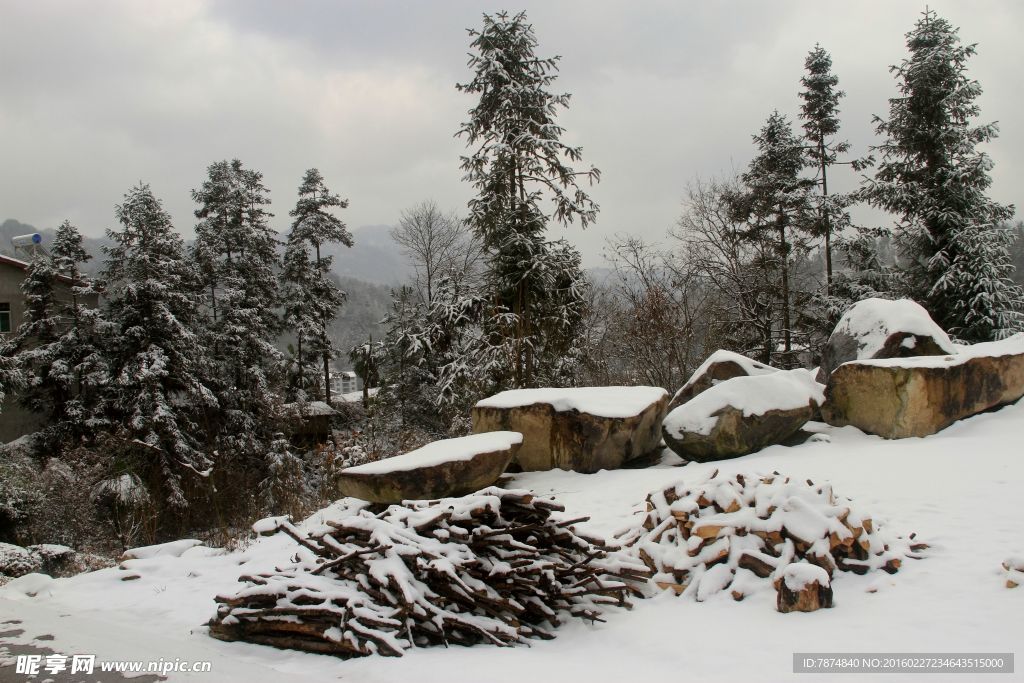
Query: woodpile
x=492, y=567
x=741, y=533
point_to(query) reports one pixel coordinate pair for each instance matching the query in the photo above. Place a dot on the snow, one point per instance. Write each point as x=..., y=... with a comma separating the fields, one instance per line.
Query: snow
x=31, y=585
x=438, y=452
x=751, y=367
x=871, y=321
x=357, y=396
x=611, y=402
x=755, y=395
x=800, y=575
x=172, y=549
x=311, y=409
x=51, y=550
x=1005, y=347
x=959, y=490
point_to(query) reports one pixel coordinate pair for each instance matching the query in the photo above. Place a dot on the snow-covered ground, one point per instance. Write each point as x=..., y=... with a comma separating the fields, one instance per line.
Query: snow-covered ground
x=960, y=490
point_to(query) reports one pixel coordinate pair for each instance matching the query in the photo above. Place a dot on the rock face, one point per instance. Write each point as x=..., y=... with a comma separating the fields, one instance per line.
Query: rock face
x=584, y=429
x=879, y=328
x=742, y=415
x=17, y=561
x=451, y=467
x=803, y=587
x=56, y=560
x=902, y=397
x=720, y=366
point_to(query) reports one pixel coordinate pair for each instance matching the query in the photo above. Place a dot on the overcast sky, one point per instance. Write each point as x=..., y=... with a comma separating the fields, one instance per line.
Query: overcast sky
x=95, y=96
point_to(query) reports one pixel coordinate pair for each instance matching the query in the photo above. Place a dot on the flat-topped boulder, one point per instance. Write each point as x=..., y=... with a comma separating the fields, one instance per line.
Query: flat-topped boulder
x=901, y=397
x=451, y=467
x=880, y=328
x=742, y=415
x=719, y=366
x=584, y=429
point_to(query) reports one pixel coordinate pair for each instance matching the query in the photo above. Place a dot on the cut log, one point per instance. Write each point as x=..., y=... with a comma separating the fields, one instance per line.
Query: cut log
x=756, y=564
x=803, y=588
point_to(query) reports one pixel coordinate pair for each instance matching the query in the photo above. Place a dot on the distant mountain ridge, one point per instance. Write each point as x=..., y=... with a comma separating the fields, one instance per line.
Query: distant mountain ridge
x=374, y=258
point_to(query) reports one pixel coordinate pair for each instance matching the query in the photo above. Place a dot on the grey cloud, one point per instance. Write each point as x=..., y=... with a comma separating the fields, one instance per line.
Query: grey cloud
x=96, y=96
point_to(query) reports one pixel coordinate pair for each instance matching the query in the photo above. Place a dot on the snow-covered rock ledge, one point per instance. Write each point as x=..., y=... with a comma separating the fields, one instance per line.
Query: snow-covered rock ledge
x=450, y=467
x=584, y=429
x=902, y=397
x=742, y=415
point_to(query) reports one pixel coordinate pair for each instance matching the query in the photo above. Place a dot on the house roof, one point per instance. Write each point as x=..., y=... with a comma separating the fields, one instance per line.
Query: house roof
x=6, y=260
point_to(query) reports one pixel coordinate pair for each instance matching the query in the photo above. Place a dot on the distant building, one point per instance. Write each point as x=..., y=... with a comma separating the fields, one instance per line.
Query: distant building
x=15, y=421
x=344, y=382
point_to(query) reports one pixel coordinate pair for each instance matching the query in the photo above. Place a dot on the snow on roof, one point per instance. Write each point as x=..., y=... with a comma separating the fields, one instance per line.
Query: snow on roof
x=25, y=265
x=614, y=402
x=438, y=452
x=872, y=320
x=756, y=395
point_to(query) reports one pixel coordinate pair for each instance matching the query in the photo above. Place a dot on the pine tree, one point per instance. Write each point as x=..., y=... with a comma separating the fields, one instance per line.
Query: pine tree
x=64, y=347
x=44, y=393
x=312, y=299
x=954, y=256
x=297, y=277
x=820, y=114
x=235, y=249
x=411, y=350
x=156, y=391
x=517, y=163
x=776, y=201
x=284, y=488
x=11, y=377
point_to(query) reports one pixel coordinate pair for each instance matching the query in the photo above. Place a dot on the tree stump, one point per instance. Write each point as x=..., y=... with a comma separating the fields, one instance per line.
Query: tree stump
x=803, y=587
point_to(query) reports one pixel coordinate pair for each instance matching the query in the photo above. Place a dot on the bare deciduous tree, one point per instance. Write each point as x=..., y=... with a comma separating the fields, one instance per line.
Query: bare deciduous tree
x=437, y=244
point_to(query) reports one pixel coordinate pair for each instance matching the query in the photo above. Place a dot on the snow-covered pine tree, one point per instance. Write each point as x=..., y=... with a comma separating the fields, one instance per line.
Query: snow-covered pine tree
x=517, y=163
x=284, y=489
x=297, y=275
x=11, y=377
x=43, y=393
x=78, y=368
x=954, y=254
x=776, y=201
x=412, y=349
x=156, y=391
x=235, y=249
x=312, y=298
x=820, y=115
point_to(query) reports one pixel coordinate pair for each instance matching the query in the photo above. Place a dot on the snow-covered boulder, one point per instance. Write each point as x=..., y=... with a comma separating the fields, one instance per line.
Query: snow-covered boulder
x=902, y=397
x=451, y=467
x=584, y=429
x=169, y=549
x=17, y=561
x=56, y=560
x=720, y=366
x=742, y=415
x=880, y=328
